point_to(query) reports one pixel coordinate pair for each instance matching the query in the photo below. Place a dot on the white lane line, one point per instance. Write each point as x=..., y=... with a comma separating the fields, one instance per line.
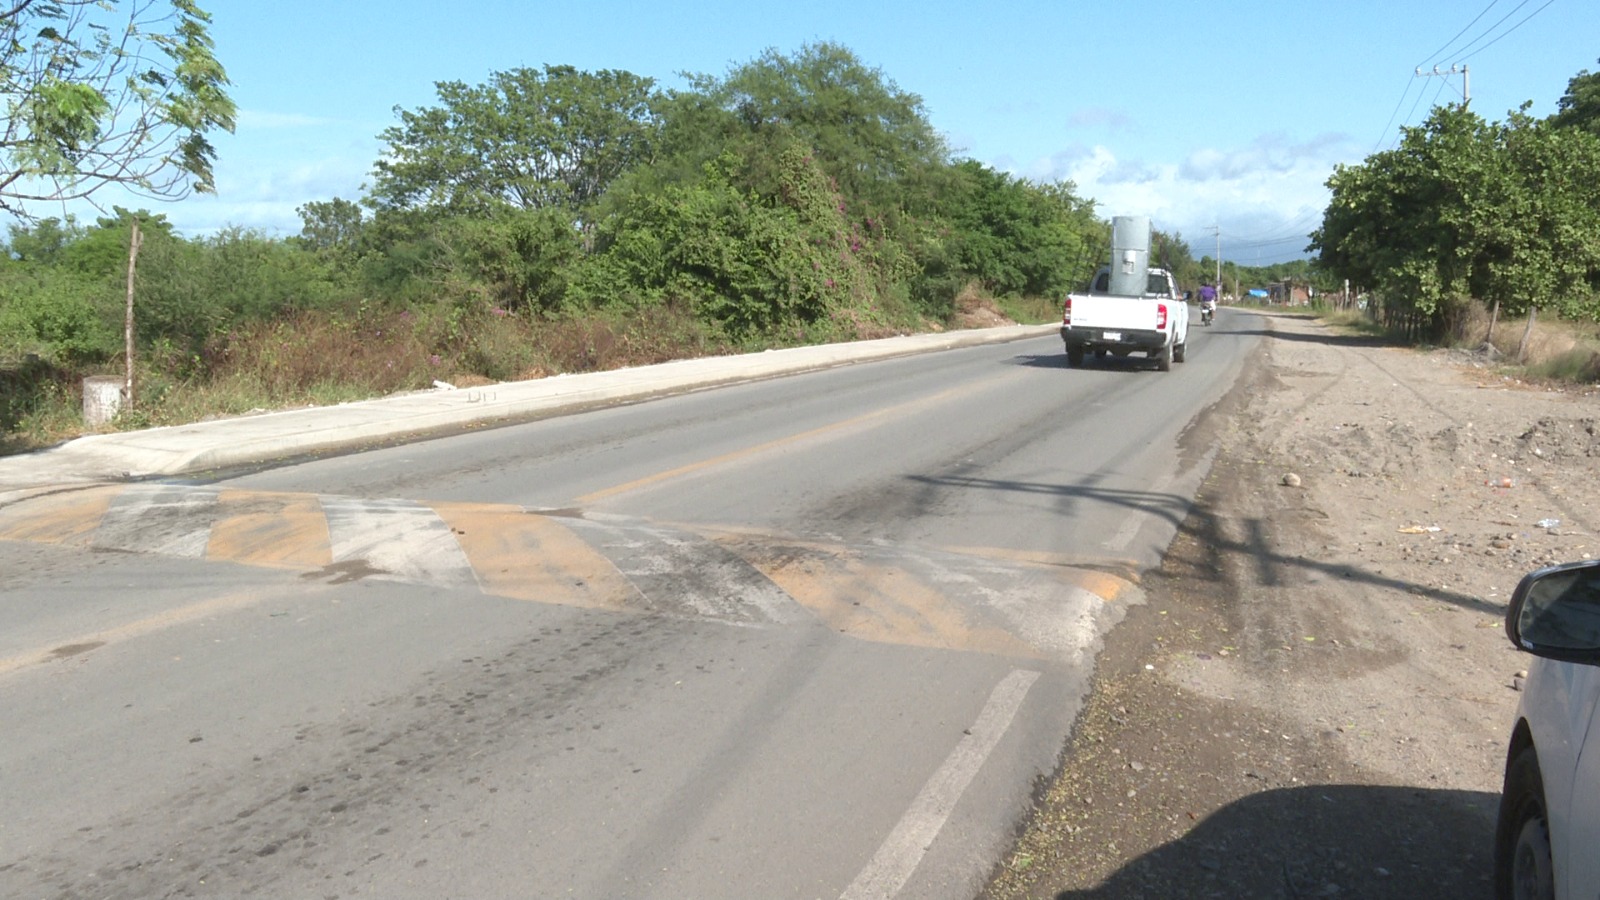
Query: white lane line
x=1130, y=526
x=903, y=850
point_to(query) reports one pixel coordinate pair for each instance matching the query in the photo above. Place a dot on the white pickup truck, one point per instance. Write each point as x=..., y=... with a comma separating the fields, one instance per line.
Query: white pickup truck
x=1156, y=323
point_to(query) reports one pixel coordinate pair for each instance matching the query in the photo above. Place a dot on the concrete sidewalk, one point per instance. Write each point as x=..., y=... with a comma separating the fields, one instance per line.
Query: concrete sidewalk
x=245, y=440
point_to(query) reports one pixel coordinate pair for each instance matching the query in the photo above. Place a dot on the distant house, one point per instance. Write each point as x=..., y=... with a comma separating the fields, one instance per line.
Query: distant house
x=1291, y=292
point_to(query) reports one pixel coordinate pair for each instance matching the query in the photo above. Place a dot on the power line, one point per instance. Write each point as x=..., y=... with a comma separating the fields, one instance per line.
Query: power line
x=1513, y=28
x=1437, y=55
x=1461, y=56
x=1491, y=28
x=1403, y=95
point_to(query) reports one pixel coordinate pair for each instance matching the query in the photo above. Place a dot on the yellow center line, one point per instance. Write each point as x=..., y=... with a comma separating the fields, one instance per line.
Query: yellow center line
x=736, y=455
x=168, y=618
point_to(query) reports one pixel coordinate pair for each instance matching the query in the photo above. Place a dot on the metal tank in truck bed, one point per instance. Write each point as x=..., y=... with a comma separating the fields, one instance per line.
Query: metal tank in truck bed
x=1130, y=307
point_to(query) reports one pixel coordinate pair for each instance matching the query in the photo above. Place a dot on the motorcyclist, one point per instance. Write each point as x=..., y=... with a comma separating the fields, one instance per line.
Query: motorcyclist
x=1208, y=302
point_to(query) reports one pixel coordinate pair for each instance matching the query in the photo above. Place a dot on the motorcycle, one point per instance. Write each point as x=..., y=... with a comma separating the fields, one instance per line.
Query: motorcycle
x=1208, y=311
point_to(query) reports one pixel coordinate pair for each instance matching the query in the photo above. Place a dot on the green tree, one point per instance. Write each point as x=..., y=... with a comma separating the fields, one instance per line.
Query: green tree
x=1579, y=107
x=1413, y=222
x=1462, y=209
x=1547, y=252
x=1018, y=237
x=101, y=92
x=43, y=241
x=528, y=139
x=331, y=226
x=872, y=138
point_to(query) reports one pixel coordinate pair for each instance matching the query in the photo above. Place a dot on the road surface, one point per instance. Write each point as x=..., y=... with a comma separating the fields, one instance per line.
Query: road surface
x=814, y=636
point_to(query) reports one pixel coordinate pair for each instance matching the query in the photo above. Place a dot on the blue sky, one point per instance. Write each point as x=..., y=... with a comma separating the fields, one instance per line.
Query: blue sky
x=1196, y=114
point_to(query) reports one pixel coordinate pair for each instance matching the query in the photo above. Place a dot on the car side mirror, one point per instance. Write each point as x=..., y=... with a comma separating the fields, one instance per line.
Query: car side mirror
x=1555, y=613
x=1188, y=296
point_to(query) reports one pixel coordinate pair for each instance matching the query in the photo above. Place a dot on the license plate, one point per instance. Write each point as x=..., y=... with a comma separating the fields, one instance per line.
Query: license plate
x=1113, y=335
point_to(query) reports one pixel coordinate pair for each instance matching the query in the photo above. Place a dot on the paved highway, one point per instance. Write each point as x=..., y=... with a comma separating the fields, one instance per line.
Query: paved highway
x=812, y=636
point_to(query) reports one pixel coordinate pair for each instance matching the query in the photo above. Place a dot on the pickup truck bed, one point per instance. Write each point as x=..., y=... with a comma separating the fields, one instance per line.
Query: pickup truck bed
x=1156, y=324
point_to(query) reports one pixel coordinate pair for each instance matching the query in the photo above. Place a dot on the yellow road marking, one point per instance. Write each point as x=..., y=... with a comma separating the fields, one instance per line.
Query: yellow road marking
x=880, y=603
x=736, y=455
x=57, y=518
x=531, y=557
x=270, y=529
x=1105, y=585
x=150, y=624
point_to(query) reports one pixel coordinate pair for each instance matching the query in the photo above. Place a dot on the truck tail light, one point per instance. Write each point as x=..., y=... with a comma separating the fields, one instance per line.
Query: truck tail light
x=1161, y=316
x=1066, y=312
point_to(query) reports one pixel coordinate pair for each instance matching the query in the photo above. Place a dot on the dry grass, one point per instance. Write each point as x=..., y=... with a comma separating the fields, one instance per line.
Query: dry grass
x=315, y=359
x=1556, y=349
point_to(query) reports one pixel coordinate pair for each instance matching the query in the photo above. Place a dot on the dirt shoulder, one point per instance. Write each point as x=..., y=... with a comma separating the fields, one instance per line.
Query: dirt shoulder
x=1315, y=701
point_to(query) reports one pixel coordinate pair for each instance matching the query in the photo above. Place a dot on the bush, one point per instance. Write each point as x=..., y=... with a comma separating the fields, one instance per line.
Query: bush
x=56, y=315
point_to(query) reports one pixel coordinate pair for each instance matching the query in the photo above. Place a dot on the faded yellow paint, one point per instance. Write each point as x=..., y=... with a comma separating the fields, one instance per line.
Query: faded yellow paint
x=1104, y=585
x=76, y=645
x=57, y=518
x=1107, y=585
x=270, y=529
x=527, y=556
x=880, y=603
x=846, y=425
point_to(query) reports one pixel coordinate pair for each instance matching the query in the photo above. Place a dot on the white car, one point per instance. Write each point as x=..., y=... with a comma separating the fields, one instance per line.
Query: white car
x=1547, y=842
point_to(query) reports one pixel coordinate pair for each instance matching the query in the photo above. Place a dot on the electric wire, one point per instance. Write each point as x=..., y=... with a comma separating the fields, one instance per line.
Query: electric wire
x=1436, y=55
x=1491, y=28
x=1508, y=31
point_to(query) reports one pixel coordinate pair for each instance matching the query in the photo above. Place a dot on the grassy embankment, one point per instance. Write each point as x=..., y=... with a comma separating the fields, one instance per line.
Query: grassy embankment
x=318, y=359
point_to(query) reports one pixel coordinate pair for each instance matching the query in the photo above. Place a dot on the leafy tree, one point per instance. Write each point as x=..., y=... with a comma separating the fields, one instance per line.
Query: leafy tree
x=1463, y=208
x=1548, y=226
x=332, y=226
x=1579, y=107
x=873, y=139
x=100, y=92
x=56, y=314
x=44, y=240
x=1018, y=237
x=1411, y=221
x=746, y=263
x=528, y=139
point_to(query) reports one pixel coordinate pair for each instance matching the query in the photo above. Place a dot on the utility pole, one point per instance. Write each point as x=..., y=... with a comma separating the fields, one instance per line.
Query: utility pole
x=1462, y=70
x=1217, y=230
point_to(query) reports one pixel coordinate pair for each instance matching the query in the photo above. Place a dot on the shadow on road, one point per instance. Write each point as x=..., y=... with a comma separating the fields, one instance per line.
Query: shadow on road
x=1273, y=567
x=1322, y=841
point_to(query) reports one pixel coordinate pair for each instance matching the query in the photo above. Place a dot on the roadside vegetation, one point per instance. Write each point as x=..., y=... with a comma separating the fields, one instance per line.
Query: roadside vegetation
x=553, y=220
x=556, y=220
x=1469, y=231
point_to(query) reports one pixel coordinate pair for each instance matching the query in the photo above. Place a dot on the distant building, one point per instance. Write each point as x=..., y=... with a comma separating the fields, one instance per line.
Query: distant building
x=1290, y=293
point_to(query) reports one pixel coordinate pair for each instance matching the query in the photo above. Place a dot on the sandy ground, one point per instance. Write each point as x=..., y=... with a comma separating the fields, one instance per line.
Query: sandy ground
x=1315, y=701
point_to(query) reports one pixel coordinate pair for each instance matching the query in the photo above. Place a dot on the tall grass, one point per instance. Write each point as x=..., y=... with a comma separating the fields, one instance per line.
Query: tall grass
x=318, y=358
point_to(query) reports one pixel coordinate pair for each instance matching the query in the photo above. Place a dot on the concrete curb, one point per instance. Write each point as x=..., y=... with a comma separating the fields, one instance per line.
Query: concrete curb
x=246, y=440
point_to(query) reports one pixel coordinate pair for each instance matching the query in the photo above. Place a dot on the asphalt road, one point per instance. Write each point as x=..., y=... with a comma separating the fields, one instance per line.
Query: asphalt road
x=814, y=636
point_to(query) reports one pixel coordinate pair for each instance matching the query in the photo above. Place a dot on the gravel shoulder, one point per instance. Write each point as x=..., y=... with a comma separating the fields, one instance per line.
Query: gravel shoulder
x=1316, y=698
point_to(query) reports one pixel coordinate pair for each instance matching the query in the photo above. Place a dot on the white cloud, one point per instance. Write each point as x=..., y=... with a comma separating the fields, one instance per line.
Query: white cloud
x=255, y=118
x=1101, y=117
x=1266, y=195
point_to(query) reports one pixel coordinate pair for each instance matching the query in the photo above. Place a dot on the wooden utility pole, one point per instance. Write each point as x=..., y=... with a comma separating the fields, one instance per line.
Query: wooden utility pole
x=127, y=322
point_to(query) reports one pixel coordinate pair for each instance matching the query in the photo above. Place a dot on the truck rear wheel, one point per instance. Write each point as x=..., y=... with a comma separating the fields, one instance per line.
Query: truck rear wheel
x=1166, y=358
x=1074, y=356
x=1179, y=351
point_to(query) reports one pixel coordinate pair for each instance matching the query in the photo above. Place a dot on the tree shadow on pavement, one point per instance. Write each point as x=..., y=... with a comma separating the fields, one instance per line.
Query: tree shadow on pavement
x=1273, y=566
x=1322, y=841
